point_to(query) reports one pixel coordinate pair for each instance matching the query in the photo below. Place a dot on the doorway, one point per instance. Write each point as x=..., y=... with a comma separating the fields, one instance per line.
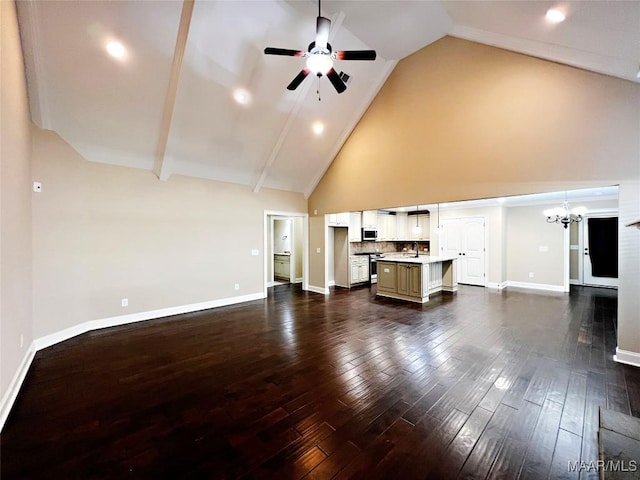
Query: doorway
x=600, y=250
x=464, y=238
x=286, y=257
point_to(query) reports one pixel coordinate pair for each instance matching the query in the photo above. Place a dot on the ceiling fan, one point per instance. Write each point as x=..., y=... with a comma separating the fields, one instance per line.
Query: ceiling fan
x=320, y=56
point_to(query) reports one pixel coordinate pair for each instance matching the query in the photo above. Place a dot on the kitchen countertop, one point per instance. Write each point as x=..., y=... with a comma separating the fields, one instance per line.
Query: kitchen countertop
x=283, y=254
x=422, y=259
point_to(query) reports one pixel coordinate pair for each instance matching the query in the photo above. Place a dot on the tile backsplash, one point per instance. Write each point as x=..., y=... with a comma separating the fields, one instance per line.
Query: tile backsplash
x=386, y=247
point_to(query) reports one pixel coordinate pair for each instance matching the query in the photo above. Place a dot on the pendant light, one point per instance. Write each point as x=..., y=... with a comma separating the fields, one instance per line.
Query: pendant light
x=417, y=229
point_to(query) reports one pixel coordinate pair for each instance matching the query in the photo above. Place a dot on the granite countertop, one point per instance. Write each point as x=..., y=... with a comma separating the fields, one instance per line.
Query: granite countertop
x=422, y=259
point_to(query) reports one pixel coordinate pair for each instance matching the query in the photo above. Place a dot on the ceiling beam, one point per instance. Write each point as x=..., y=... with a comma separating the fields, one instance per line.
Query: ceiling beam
x=30, y=17
x=293, y=113
x=160, y=167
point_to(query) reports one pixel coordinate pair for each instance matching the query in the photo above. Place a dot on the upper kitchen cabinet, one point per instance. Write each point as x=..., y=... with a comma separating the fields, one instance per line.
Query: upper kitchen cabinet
x=338, y=219
x=423, y=222
x=370, y=219
x=355, y=227
x=387, y=226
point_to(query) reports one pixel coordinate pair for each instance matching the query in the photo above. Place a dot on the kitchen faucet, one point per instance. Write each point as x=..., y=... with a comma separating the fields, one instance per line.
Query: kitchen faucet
x=417, y=250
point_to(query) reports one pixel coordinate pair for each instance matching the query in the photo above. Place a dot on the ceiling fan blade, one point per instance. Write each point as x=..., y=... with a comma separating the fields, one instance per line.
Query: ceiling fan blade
x=283, y=51
x=356, y=55
x=323, y=25
x=336, y=81
x=298, y=80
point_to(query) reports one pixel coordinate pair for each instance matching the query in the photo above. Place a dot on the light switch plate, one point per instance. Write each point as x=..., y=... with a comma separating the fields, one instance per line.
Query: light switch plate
x=255, y=252
x=37, y=187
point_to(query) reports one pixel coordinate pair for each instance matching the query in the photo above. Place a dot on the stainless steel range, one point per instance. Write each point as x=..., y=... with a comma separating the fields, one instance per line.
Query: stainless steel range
x=373, y=266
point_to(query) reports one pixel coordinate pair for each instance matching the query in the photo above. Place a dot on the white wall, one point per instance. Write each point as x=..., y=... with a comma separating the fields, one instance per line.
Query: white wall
x=282, y=236
x=15, y=207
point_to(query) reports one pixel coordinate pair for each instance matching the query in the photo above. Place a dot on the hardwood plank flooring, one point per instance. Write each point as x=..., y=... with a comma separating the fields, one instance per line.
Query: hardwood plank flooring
x=478, y=384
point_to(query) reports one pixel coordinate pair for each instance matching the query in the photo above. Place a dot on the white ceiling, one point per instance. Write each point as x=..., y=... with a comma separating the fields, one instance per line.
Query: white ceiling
x=112, y=111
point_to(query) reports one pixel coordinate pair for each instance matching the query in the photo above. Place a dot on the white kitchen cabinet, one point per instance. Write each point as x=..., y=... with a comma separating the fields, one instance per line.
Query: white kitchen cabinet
x=281, y=267
x=370, y=219
x=424, y=222
x=359, y=271
x=338, y=219
x=402, y=226
x=355, y=227
x=387, y=227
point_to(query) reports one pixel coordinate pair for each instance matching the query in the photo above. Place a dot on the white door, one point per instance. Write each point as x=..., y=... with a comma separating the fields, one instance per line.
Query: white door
x=600, y=251
x=463, y=238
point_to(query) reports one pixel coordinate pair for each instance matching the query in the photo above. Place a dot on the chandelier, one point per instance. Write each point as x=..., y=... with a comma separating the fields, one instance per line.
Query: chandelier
x=564, y=215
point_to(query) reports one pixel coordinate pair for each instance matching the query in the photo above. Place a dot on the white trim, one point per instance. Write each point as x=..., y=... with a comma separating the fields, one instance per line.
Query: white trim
x=16, y=383
x=574, y=281
x=627, y=357
x=305, y=245
x=67, y=333
x=314, y=289
x=332, y=283
x=536, y=286
x=43, y=342
x=497, y=285
x=298, y=280
x=608, y=65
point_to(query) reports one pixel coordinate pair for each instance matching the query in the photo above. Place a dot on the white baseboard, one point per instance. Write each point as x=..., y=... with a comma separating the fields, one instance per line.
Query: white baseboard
x=52, y=339
x=270, y=284
x=574, y=282
x=536, y=286
x=497, y=286
x=332, y=283
x=298, y=280
x=62, y=335
x=14, y=387
x=320, y=290
x=627, y=357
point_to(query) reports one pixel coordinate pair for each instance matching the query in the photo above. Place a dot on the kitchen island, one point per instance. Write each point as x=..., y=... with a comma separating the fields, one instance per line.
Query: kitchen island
x=414, y=278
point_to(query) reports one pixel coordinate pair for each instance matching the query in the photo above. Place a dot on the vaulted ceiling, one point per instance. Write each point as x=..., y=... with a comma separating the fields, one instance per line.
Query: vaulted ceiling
x=168, y=104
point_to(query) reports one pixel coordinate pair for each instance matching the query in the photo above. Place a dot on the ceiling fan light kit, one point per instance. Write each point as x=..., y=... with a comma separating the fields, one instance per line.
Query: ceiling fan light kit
x=320, y=57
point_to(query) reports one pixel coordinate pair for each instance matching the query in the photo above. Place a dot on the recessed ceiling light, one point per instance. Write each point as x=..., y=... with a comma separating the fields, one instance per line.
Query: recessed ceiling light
x=318, y=128
x=116, y=49
x=241, y=96
x=555, y=15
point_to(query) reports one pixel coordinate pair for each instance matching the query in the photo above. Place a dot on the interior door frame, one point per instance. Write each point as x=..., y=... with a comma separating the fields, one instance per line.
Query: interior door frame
x=596, y=213
x=485, y=221
x=267, y=247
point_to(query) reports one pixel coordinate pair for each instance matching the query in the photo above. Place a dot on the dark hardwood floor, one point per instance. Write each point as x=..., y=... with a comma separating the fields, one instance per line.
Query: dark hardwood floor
x=481, y=384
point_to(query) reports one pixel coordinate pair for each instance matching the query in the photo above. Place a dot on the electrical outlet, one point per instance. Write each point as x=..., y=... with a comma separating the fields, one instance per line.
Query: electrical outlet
x=531, y=275
x=37, y=187
x=255, y=252
x=125, y=302
x=318, y=250
x=237, y=286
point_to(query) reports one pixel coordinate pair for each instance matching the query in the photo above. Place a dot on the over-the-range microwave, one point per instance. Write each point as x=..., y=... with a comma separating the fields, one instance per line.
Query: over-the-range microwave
x=369, y=234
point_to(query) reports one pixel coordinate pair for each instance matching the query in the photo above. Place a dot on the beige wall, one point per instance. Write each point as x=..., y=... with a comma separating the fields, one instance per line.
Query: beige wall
x=102, y=233
x=459, y=120
x=527, y=231
x=15, y=202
